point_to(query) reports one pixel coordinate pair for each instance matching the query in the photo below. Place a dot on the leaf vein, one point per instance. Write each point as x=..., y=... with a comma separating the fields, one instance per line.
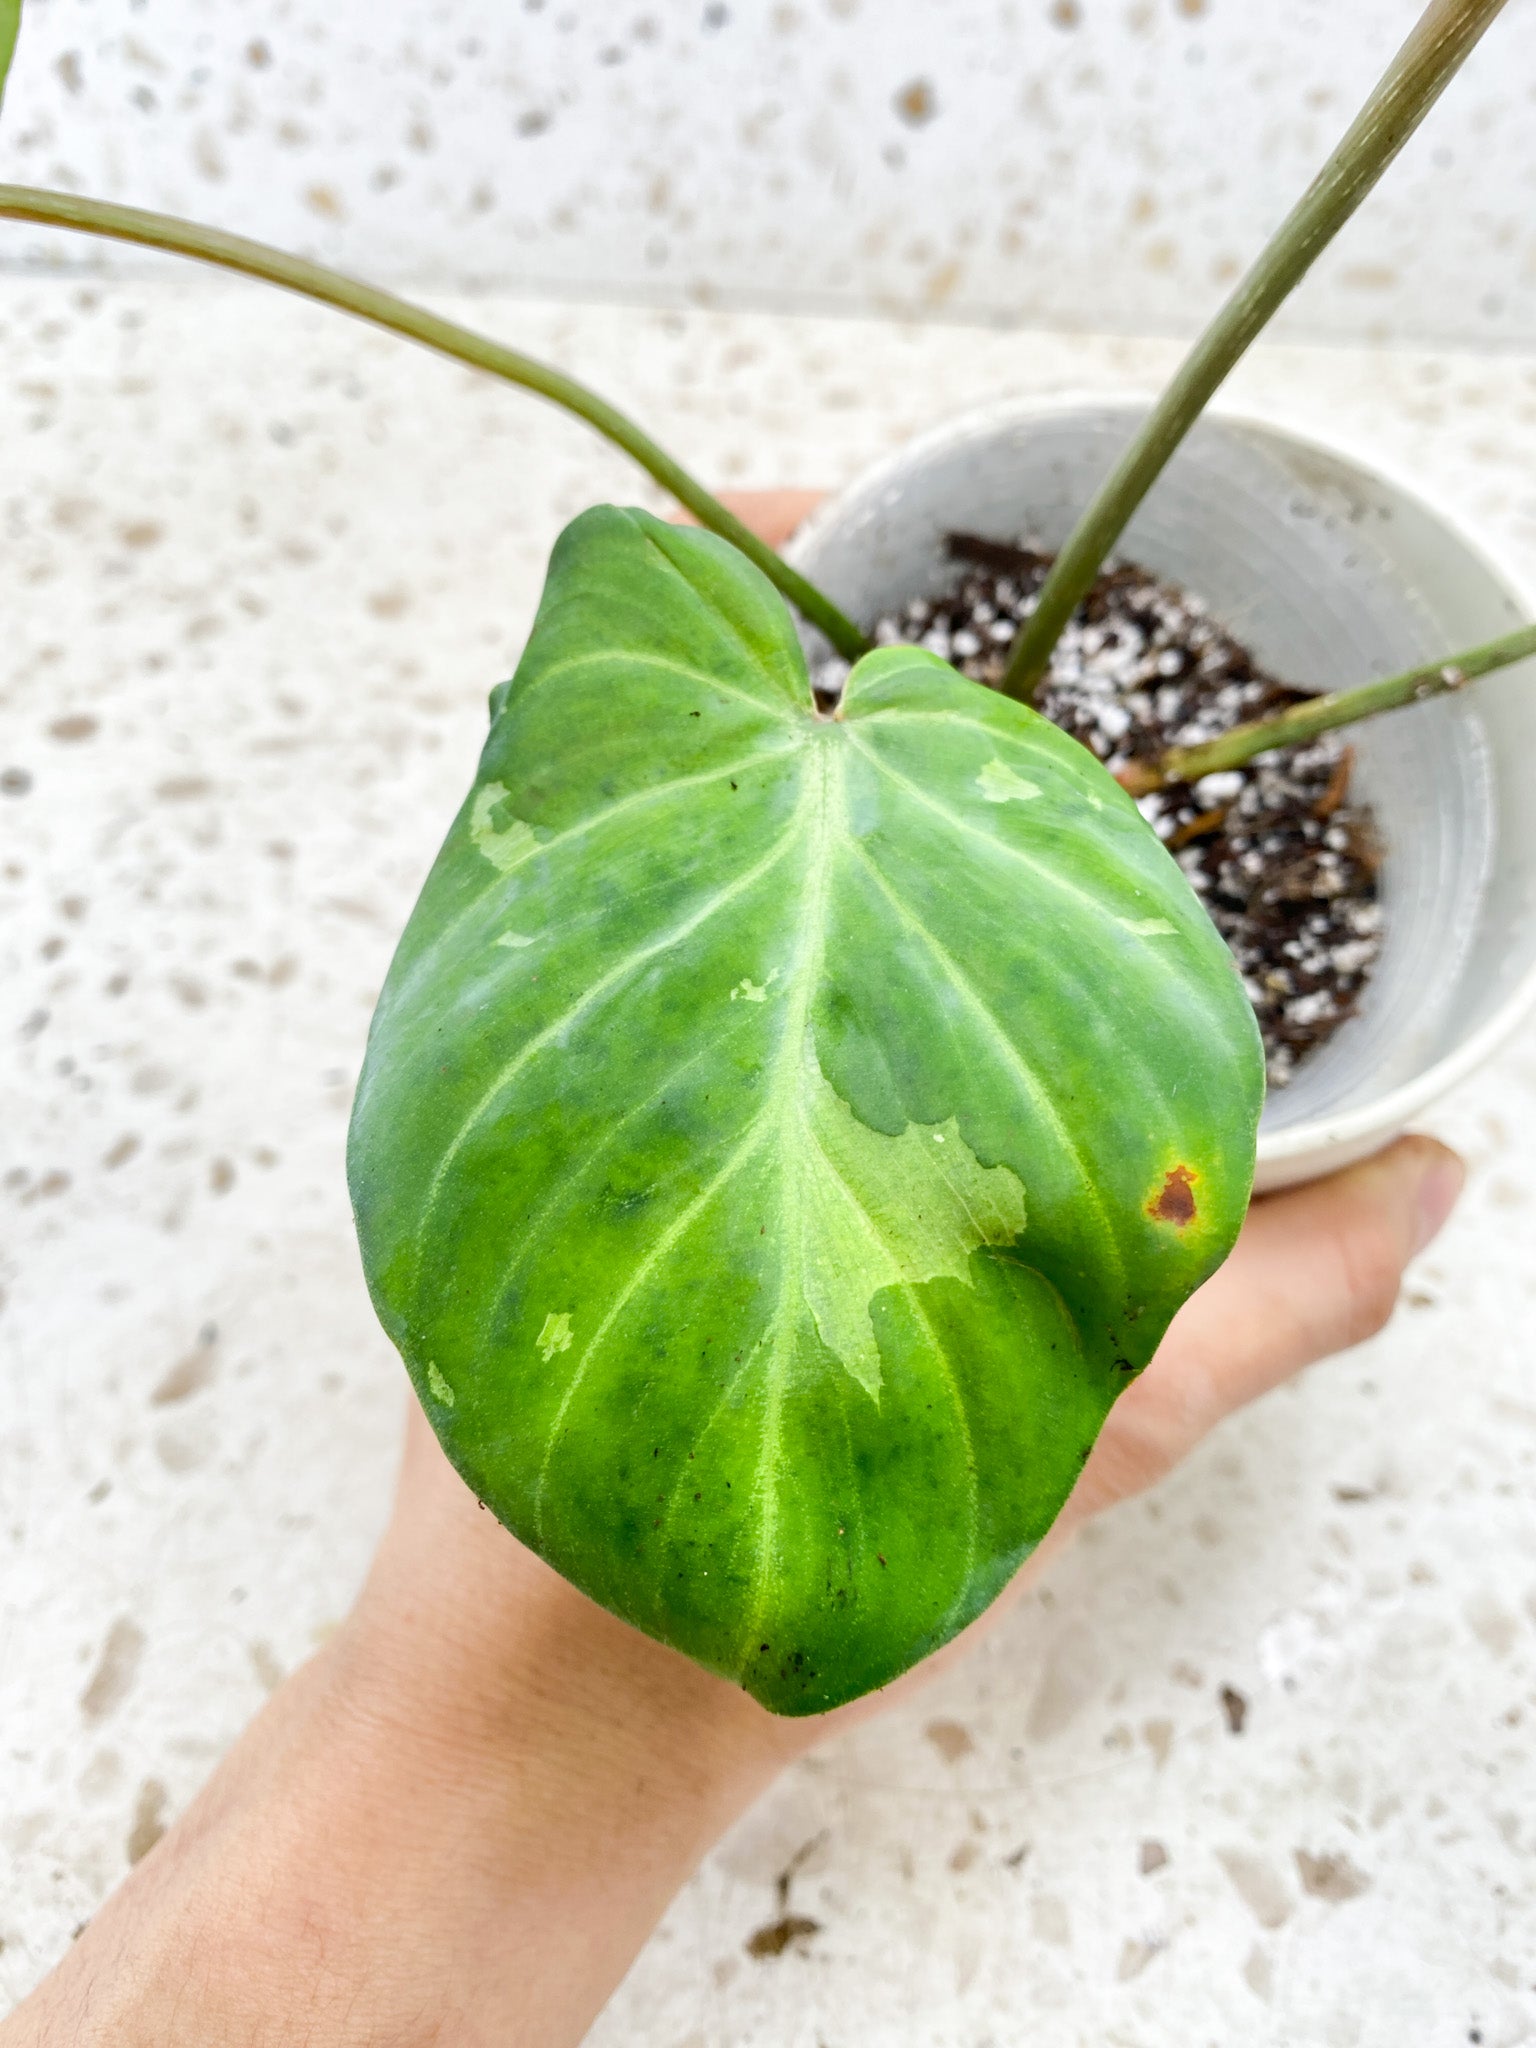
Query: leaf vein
x=676, y=1229
x=590, y=996
x=491, y=890
x=633, y=658
x=1034, y=1088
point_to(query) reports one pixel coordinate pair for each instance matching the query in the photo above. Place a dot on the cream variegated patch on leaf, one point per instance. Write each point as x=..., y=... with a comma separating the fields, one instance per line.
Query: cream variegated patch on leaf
x=867, y=1211
x=783, y=1136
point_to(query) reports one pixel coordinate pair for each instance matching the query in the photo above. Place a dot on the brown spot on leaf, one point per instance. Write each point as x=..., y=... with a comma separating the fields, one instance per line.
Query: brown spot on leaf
x=1175, y=1201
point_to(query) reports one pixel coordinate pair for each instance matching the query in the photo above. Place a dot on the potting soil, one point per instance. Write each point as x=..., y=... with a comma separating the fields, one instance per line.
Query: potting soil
x=1282, y=854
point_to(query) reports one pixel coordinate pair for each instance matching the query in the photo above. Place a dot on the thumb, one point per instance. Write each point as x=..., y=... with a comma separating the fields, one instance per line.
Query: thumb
x=1315, y=1270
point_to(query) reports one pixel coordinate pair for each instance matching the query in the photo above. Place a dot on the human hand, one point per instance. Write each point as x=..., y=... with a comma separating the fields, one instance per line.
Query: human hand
x=459, y=1823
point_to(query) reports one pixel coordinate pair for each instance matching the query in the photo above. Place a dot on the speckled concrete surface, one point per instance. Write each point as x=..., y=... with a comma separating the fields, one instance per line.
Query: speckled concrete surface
x=1102, y=163
x=259, y=570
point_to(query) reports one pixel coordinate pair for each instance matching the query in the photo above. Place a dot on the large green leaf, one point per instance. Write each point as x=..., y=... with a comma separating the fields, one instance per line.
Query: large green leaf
x=10, y=28
x=782, y=1137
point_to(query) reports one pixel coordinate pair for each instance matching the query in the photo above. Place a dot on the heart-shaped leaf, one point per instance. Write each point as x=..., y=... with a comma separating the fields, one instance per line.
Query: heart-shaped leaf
x=10, y=28
x=782, y=1137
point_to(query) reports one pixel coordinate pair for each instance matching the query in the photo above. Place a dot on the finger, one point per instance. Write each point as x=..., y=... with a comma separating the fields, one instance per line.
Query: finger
x=772, y=515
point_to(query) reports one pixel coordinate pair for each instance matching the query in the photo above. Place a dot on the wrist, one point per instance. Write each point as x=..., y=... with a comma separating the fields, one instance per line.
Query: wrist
x=488, y=1656
x=522, y=1781
x=458, y=1823
x=556, y=1774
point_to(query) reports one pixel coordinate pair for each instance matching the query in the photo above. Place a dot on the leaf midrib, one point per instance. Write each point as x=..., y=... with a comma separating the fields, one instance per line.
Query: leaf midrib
x=589, y=996
x=796, y=1052
x=1101, y=914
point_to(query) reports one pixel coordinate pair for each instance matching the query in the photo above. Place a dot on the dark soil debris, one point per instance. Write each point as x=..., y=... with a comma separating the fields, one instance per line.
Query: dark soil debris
x=1283, y=859
x=781, y=1934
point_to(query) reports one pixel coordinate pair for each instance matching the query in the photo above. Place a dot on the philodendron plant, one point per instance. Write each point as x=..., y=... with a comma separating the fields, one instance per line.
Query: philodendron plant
x=782, y=1135
x=786, y=1128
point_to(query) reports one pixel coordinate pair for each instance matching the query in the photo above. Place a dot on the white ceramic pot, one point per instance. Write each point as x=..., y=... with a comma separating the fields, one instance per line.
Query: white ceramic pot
x=1333, y=574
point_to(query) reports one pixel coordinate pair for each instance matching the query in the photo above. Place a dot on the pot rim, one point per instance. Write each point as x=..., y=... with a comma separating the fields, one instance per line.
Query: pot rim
x=1350, y=1129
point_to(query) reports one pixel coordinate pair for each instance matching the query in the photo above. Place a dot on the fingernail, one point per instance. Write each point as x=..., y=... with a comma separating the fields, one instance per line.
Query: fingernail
x=1436, y=1198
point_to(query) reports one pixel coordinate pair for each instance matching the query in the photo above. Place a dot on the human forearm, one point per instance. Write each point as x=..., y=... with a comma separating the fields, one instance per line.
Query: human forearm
x=458, y=1824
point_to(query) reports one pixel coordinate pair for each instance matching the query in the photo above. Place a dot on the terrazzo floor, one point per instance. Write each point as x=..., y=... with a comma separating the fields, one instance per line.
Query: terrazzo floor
x=259, y=569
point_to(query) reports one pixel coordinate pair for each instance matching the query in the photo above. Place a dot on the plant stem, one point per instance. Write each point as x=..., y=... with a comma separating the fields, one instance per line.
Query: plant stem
x=1325, y=714
x=1418, y=74
x=399, y=316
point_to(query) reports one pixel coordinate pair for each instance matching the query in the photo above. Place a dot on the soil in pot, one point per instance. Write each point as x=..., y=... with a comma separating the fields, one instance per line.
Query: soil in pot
x=1284, y=858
